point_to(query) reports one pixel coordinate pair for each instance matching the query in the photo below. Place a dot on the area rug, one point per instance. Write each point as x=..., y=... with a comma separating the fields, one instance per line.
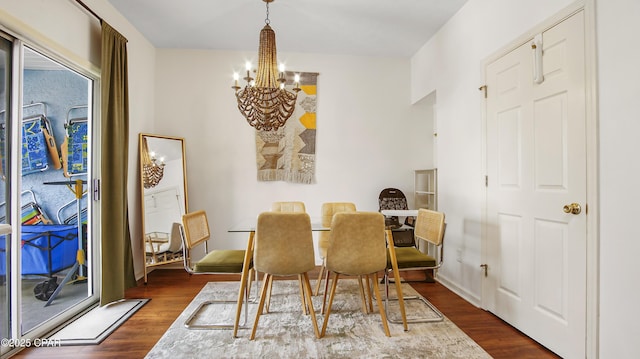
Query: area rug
x=98, y=323
x=289, y=153
x=286, y=333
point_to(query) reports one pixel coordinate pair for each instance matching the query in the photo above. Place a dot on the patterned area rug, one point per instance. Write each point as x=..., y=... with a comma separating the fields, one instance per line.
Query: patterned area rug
x=286, y=333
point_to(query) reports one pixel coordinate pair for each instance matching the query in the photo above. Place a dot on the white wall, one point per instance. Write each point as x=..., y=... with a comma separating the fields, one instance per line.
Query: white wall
x=619, y=115
x=450, y=64
x=363, y=144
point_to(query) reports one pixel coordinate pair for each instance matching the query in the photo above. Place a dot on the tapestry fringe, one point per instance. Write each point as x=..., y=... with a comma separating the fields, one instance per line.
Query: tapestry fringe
x=279, y=175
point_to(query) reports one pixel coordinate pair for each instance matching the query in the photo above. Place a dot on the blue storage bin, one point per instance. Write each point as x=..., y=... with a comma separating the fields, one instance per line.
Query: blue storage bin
x=46, y=249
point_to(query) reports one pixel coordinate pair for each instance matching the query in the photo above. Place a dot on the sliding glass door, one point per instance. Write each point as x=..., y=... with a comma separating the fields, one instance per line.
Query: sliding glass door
x=5, y=229
x=54, y=175
x=48, y=260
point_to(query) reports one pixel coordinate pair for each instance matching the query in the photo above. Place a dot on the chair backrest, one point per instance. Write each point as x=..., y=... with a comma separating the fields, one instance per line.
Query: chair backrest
x=358, y=244
x=196, y=228
x=331, y=208
x=175, y=238
x=430, y=226
x=328, y=210
x=392, y=198
x=284, y=243
x=288, y=207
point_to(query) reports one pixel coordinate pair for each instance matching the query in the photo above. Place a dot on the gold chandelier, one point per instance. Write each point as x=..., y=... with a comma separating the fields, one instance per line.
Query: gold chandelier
x=266, y=104
x=152, y=172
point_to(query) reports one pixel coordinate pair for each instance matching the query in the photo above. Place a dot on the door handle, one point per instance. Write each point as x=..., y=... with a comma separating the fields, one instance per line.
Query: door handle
x=484, y=268
x=572, y=208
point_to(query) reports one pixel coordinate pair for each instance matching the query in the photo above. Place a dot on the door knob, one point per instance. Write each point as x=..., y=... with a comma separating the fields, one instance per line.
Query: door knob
x=572, y=208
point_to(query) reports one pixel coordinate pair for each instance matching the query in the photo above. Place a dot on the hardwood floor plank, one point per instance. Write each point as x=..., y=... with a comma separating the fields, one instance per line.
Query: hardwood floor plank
x=172, y=290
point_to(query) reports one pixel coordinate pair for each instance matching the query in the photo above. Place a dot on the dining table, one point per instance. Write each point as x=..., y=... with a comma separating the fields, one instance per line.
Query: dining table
x=248, y=225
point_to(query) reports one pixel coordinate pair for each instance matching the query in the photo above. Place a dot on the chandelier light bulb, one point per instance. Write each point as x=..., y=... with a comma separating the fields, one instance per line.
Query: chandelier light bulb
x=296, y=80
x=235, y=86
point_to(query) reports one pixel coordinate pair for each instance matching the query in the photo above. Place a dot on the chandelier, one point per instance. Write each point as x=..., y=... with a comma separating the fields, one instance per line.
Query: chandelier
x=152, y=172
x=265, y=103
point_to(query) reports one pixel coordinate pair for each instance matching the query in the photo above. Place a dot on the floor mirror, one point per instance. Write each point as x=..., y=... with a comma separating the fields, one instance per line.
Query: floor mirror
x=164, y=198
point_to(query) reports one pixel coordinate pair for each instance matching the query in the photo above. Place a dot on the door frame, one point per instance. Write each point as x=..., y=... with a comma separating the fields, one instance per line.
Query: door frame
x=592, y=173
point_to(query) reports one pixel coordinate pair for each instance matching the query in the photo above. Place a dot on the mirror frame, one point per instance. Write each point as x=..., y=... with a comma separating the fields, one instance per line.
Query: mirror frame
x=148, y=267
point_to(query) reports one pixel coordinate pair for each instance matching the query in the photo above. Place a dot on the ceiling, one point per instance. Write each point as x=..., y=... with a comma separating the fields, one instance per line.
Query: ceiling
x=396, y=28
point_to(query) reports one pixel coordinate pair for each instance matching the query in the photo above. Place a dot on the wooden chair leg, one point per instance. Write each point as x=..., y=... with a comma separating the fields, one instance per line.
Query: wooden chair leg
x=333, y=292
x=302, y=296
x=383, y=315
x=326, y=290
x=307, y=289
x=269, y=281
x=263, y=294
x=363, y=297
x=320, y=276
x=370, y=295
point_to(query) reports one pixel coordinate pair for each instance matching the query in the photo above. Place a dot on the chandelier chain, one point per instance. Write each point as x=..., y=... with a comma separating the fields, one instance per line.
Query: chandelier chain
x=267, y=21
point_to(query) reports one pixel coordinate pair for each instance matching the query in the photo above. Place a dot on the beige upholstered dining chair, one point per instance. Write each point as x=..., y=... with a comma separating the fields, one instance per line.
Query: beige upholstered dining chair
x=358, y=248
x=284, y=247
x=429, y=228
x=296, y=207
x=223, y=261
x=328, y=210
x=288, y=207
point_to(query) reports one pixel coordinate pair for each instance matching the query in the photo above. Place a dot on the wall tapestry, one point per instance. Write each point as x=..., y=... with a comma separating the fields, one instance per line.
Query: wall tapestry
x=289, y=153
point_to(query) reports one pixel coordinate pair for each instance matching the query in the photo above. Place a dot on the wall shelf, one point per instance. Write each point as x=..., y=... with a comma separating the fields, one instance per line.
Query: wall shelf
x=426, y=189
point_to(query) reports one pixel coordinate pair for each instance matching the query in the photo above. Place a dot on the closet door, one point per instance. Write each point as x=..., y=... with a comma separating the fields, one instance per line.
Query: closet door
x=537, y=189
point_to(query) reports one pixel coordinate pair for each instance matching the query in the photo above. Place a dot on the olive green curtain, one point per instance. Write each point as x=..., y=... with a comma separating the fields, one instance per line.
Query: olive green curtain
x=117, y=259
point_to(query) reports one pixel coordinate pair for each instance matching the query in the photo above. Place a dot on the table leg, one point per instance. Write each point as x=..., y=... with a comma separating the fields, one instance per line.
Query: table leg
x=248, y=255
x=396, y=276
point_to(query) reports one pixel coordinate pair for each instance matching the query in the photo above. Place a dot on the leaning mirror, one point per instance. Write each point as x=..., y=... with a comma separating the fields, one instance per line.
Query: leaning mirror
x=164, y=198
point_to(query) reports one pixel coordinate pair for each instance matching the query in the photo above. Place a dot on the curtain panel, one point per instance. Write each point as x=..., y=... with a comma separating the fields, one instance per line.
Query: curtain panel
x=117, y=258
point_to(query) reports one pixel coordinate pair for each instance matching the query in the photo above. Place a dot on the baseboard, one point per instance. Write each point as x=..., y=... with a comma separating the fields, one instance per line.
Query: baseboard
x=452, y=286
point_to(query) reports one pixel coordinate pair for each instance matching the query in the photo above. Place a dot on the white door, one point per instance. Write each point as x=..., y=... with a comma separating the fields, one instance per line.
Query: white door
x=536, y=164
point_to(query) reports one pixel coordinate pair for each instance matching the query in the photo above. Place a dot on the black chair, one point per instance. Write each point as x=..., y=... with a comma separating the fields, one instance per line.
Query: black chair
x=390, y=199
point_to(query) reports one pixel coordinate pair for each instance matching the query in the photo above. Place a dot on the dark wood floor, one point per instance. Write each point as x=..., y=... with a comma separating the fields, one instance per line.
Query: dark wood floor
x=172, y=290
